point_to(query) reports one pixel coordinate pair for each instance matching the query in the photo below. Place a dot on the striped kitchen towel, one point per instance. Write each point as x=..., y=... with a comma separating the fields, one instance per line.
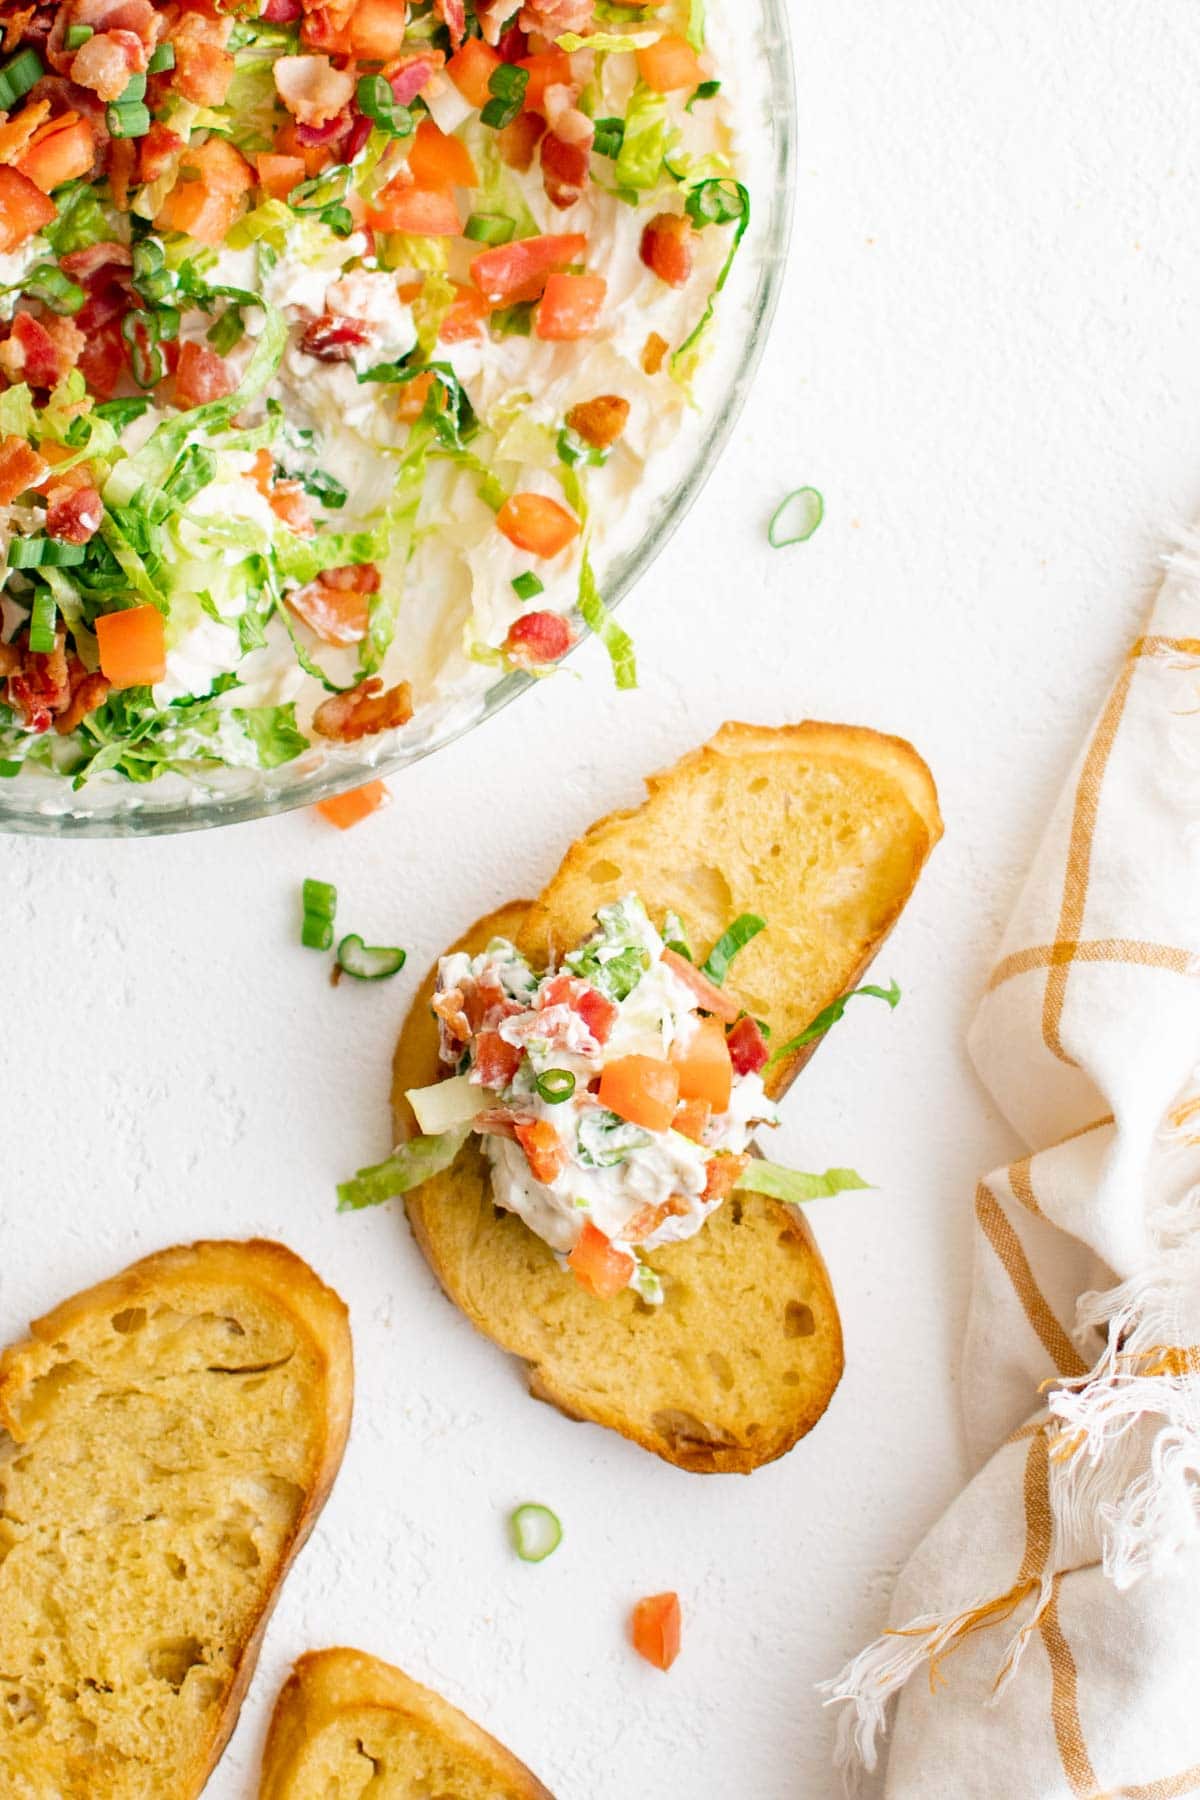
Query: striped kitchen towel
x=1045, y=1637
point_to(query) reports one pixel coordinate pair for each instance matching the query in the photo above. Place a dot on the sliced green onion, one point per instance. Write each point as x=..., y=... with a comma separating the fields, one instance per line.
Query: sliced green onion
x=706, y=91
x=715, y=203
x=316, y=934
x=226, y=331
x=77, y=36
x=366, y=963
x=44, y=553
x=536, y=1532
x=555, y=1086
x=377, y=100
x=610, y=135
x=745, y=927
x=54, y=289
x=831, y=1015
x=141, y=331
x=325, y=488
x=507, y=86
x=134, y=89
x=489, y=228
x=130, y=120
x=572, y=450
x=796, y=1185
x=162, y=59
x=338, y=219
x=797, y=516
x=18, y=75
x=42, y=622
x=528, y=586
x=320, y=908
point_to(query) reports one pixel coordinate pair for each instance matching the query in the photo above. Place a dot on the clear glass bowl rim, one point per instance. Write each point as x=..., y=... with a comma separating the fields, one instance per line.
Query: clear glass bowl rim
x=136, y=813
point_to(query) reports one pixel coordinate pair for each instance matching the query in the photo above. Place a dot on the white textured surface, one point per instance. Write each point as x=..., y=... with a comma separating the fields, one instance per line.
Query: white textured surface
x=987, y=360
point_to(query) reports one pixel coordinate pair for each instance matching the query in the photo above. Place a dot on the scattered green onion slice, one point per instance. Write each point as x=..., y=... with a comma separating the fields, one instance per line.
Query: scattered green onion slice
x=320, y=909
x=17, y=77
x=316, y=934
x=134, y=89
x=715, y=202
x=507, y=86
x=745, y=927
x=77, y=36
x=162, y=59
x=127, y=119
x=528, y=586
x=555, y=1086
x=378, y=101
x=796, y=518
x=610, y=135
x=44, y=553
x=831, y=1015
x=706, y=91
x=536, y=1533
x=324, y=487
x=366, y=963
x=42, y=621
x=489, y=228
x=54, y=289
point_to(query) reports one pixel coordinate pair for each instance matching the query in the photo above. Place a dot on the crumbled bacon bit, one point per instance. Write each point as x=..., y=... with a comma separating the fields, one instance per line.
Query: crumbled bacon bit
x=518, y=141
x=105, y=63
x=601, y=421
x=334, y=337
x=41, y=686
x=39, y=351
x=289, y=502
x=20, y=468
x=565, y=169
x=747, y=1047
x=312, y=89
x=453, y=14
x=496, y=1061
x=87, y=693
x=537, y=637
x=667, y=248
x=73, y=510
x=551, y=18
x=654, y=352
x=203, y=66
x=337, y=604
x=364, y=710
x=647, y=1219
x=723, y=1174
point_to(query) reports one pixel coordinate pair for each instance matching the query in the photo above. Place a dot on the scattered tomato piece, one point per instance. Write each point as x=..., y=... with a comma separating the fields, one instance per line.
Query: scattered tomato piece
x=418, y=211
x=571, y=307
x=520, y=271
x=691, y=1119
x=712, y=998
x=599, y=1269
x=669, y=64
x=748, y=1047
x=437, y=160
x=704, y=1065
x=656, y=1628
x=543, y=1151
x=465, y=315
x=278, y=175
x=202, y=376
x=133, y=646
x=538, y=637
x=537, y=524
x=471, y=68
x=206, y=203
x=62, y=150
x=24, y=208
x=642, y=1089
x=550, y=68
x=345, y=810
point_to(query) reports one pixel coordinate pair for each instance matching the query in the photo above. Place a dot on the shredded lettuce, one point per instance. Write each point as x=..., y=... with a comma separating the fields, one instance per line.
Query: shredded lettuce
x=607, y=40
x=794, y=1185
x=685, y=360
x=273, y=731
x=695, y=31
x=832, y=1014
x=744, y=927
x=590, y=601
x=269, y=223
x=410, y=1165
x=649, y=136
x=615, y=957
x=81, y=220
x=17, y=415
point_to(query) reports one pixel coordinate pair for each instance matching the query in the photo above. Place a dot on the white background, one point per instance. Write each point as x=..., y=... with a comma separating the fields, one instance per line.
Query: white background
x=986, y=357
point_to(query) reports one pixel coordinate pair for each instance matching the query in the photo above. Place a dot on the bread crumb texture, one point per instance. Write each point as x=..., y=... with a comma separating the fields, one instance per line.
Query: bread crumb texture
x=166, y=1440
x=350, y=1727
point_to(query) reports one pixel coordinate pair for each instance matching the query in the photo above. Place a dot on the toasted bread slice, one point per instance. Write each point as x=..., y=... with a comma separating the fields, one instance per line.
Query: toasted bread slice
x=823, y=830
x=347, y=1724
x=167, y=1440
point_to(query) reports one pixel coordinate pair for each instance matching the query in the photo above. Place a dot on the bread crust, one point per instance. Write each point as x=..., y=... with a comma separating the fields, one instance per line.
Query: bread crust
x=318, y=1314
x=555, y=922
x=325, y=1685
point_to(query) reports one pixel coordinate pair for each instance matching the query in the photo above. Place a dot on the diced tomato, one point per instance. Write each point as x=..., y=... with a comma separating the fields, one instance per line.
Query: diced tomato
x=642, y=1089
x=667, y=248
x=537, y=524
x=595, y=1009
x=705, y=1069
x=691, y=1119
x=712, y=998
x=262, y=472
x=520, y=271
x=496, y=1060
x=518, y=141
x=600, y=1270
x=157, y=150
x=571, y=307
x=133, y=646
x=24, y=208
x=550, y=68
x=20, y=467
x=281, y=12
x=415, y=210
x=513, y=44
x=413, y=395
x=747, y=1047
x=345, y=810
x=202, y=376
x=471, y=68
x=669, y=64
x=723, y=1174
x=278, y=175
x=337, y=605
x=43, y=361
x=465, y=316
x=289, y=502
x=543, y=1152
x=437, y=160
x=62, y=149
x=73, y=514
x=537, y=637
x=205, y=205
x=656, y=1629
x=566, y=169
x=377, y=30
x=103, y=359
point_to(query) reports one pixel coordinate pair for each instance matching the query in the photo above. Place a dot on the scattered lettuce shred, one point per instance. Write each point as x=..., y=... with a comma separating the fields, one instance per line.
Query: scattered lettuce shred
x=648, y=138
x=410, y=1165
x=832, y=1013
x=794, y=1185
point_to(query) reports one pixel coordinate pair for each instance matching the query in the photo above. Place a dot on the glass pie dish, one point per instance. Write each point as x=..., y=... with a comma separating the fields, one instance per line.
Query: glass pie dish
x=763, y=111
